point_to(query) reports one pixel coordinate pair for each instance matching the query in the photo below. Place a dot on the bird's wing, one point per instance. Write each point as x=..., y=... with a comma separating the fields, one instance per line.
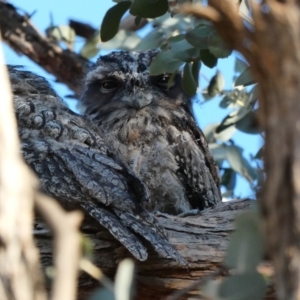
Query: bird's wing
x=197, y=168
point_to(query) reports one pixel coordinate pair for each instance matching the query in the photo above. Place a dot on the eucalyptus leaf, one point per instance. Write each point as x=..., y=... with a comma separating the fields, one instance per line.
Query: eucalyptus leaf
x=225, y=134
x=164, y=62
x=189, y=84
x=240, y=65
x=245, y=78
x=209, y=132
x=243, y=287
x=208, y=59
x=91, y=47
x=210, y=289
x=198, y=37
x=111, y=20
x=216, y=85
x=217, y=46
x=62, y=33
x=149, y=8
x=150, y=41
x=184, y=51
x=234, y=155
x=229, y=179
x=124, y=40
x=196, y=65
x=249, y=123
x=246, y=246
x=137, y=21
x=102, y=294
x=218, y=151
x=233, y=118
x=259, y=154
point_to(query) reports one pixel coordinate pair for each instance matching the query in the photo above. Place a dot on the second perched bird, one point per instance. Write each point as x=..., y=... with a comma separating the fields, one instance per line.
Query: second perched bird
x=149, y=125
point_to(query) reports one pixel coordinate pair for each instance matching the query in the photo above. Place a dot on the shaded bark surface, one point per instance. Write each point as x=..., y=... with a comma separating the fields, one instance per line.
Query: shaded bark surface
x=201, y=240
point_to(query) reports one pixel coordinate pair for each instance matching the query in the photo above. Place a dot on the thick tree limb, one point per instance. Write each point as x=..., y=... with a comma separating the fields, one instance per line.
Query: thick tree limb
x=272, y=46
x=18, y=32
x=201, y=240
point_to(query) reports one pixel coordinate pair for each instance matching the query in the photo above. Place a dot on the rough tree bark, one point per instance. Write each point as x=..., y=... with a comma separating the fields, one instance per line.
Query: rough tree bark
x=271, y=44
x=201, y=240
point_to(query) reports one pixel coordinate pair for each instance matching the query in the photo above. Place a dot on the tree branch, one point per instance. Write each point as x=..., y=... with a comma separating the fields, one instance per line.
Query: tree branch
x=201, y=240
x=20, y=276
x=18, y=32
x=67, y=253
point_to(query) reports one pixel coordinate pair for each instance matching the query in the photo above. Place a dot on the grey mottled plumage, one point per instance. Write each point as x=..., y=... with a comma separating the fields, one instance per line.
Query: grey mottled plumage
x=151, y=128
x=75, y=166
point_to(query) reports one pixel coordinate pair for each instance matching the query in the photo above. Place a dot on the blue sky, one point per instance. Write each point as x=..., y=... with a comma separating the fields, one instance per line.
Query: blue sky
x=92, y=12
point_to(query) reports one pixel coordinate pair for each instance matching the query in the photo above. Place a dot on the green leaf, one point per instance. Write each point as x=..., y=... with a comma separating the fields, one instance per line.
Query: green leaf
x=91, y=47
x=227, y=102
x=259, y=154
x=209, y=132
x=245, y=78
x=243, y=287
x=198, y=37
x=124, y=40
x=229, y=179
x=246, y=246
x=217, y=46
x=184, y=51
x=176, y=38
x=216, y=85
x=208, y=59
x=137, y=21
x=238, y=98
x=232, y=119
x=249, y=123
x=149, y=8
x=234, y=155
x=240, y=65
x=150, y=41
x=196, y=65
x=164, y=62
x=189, y=83
x=111, y=20
x=62, y=33
x=102, y=294
x=225, y=134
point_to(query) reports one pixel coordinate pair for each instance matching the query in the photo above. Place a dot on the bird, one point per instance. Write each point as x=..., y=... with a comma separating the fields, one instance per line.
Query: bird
x=75, y=165
x=149, y=124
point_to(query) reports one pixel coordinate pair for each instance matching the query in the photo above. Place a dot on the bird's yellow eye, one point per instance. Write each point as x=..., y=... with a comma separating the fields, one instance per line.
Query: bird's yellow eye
x=109, y=84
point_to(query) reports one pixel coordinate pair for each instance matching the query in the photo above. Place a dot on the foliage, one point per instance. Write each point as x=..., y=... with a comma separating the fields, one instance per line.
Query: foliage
x=186, y=43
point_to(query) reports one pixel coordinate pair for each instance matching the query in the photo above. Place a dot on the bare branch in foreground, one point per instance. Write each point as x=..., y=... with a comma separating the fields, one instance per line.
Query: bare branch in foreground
x=67, y=240
x=20, y=276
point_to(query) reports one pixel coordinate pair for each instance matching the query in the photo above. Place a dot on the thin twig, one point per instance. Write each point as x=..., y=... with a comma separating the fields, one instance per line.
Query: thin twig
x=67, y=238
